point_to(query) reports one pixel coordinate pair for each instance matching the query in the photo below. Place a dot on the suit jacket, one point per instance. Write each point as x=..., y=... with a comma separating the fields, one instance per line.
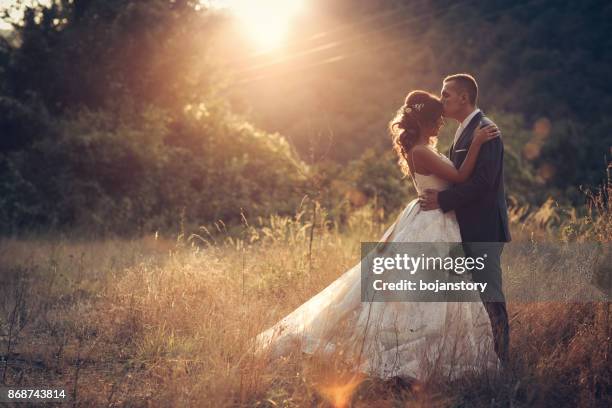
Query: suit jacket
x=479, y=202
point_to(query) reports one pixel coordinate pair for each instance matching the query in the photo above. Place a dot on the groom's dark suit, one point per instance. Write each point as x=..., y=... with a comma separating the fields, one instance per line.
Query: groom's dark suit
x=480, y=207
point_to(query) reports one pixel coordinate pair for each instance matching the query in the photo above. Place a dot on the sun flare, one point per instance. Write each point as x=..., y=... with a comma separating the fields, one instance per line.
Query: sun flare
x=266, y=22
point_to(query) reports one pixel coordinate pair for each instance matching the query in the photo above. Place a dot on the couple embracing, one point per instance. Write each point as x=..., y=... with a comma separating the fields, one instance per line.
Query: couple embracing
x=462, y=200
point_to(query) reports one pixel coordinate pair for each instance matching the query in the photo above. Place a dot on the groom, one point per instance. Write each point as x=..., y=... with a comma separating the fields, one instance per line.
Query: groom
x=479, y=203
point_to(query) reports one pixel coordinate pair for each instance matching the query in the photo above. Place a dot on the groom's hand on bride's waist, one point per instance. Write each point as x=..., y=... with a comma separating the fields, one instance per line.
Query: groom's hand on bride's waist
x=429, y=200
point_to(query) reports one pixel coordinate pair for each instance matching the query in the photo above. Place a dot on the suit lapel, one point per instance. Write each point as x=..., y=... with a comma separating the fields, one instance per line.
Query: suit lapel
x=469, y=129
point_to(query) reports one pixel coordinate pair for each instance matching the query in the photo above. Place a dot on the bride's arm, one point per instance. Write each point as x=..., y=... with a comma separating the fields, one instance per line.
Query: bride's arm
x=432, y=163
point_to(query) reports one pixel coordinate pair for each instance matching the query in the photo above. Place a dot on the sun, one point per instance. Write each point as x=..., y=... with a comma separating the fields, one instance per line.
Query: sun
x=266, y=22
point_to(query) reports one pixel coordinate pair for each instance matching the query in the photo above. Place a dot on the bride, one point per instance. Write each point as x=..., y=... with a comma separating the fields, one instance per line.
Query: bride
x=410, y=338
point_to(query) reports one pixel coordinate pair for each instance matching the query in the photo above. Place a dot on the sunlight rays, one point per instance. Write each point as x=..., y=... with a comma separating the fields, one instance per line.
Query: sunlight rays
x=266, y=22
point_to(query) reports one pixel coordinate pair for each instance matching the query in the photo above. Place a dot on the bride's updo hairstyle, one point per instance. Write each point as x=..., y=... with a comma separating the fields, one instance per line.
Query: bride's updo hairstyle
x=421, y=110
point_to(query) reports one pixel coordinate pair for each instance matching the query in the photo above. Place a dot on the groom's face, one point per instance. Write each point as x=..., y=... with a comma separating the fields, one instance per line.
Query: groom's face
x=451, y=99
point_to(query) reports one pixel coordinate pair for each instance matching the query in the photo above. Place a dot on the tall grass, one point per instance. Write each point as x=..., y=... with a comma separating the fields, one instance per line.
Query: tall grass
x=162, y=321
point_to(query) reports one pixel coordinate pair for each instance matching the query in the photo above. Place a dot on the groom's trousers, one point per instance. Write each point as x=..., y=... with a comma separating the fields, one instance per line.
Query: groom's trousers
x=493, y=297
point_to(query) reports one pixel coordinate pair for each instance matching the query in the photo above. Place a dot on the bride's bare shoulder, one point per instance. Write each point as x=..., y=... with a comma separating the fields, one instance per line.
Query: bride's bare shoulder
x=421, y=149
x=423, y=152
x=422, y=158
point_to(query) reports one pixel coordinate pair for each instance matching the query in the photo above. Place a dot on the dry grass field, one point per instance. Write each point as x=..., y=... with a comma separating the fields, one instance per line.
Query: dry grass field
x=167, y=322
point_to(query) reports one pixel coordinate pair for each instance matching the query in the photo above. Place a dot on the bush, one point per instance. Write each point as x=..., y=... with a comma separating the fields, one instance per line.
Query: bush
x=106, y=174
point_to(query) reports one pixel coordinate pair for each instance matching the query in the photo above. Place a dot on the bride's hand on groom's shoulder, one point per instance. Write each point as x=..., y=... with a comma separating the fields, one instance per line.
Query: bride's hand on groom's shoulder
x=486, y=133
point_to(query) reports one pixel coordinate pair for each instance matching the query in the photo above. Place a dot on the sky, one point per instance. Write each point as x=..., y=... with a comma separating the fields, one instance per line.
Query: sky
x=15, y=9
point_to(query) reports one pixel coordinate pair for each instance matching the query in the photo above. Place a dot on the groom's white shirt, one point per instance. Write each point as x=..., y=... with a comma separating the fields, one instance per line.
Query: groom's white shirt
x=464, y=124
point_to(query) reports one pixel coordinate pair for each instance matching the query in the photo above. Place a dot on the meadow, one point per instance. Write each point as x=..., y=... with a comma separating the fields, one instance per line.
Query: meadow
x=153, y=155
x=169, y=321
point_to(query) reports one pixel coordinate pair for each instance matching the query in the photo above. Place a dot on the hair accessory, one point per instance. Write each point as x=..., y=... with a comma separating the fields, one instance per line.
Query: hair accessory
x=417, y=107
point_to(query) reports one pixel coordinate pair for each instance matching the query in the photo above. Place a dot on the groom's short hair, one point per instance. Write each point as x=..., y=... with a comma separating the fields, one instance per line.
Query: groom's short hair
x=466, y=83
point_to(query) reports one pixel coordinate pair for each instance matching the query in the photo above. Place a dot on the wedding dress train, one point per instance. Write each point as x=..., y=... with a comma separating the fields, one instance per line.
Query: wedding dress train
x=386, y=339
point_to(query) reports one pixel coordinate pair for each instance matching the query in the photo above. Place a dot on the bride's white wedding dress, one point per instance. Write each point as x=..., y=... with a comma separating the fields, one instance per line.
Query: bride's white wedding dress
x=386, y=339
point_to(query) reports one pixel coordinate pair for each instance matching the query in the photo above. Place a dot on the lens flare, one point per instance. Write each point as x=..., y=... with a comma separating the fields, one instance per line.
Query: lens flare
x=339, y=392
